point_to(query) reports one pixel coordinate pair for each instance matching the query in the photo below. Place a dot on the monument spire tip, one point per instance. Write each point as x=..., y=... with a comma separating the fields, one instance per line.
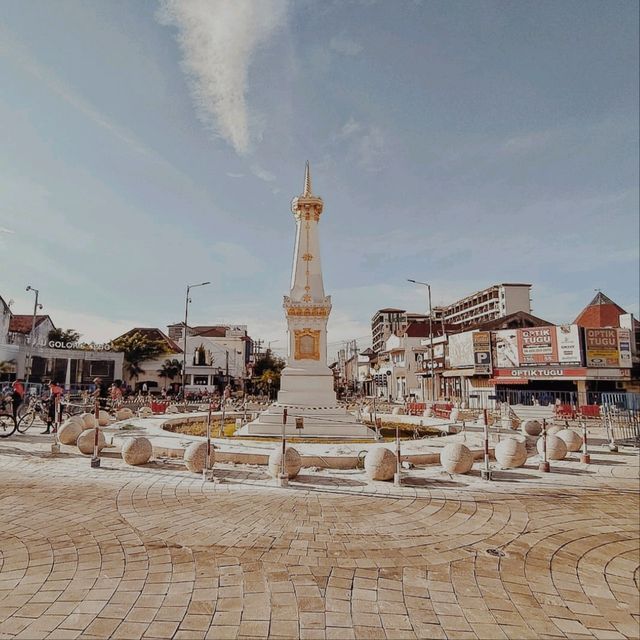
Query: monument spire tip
x=307, y=180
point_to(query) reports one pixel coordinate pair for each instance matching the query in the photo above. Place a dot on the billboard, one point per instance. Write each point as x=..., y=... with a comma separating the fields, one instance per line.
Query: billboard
x=537, y=345
x=607, y=347
x=568, y=341
x=507, y=348
x=461, y=350
x=559, y=345
x=482, y=352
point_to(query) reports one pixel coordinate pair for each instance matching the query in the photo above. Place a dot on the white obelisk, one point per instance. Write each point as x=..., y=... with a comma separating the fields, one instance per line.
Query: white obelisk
x=306, y=384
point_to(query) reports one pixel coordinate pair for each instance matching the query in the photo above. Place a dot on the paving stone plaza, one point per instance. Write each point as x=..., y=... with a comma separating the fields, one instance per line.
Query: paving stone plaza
x=154, y=552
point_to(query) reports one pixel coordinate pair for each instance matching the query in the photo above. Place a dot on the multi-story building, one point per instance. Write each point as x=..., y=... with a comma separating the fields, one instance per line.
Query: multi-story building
x=497, y=301
x=388, y=322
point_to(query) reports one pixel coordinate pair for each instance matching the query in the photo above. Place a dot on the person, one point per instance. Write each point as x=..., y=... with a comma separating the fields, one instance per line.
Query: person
x=145, y=389
x=100, y=392
x=55, y=393
x=17, y=396
x=116, y=395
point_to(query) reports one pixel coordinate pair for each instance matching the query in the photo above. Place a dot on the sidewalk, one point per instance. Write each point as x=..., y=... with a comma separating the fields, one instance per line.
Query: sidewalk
x=152, y=552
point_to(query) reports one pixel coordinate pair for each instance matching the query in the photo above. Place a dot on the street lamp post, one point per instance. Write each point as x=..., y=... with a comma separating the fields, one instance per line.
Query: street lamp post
x=433, y=372
x=184, y=340
x=36, y=306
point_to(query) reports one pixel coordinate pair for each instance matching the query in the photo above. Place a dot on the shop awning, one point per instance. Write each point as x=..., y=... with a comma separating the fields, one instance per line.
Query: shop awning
x=456, y=373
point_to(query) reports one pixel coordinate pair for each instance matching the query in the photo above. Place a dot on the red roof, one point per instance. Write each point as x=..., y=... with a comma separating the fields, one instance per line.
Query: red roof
x=210, y=331
x=153, y=333
x=23, y=323
x=600, y=312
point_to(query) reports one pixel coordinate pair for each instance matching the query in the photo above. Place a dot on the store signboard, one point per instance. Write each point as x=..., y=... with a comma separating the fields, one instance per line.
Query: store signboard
x=601, y=347
x=461, y=350
x=482, y=352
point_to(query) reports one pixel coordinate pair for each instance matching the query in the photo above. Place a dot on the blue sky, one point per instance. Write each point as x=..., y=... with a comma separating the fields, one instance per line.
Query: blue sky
x=147, y=145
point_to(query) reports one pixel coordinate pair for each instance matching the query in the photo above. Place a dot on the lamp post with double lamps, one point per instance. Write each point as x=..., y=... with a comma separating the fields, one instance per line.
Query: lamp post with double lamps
x=36, y=306
x=184, y=340
x=433, y=371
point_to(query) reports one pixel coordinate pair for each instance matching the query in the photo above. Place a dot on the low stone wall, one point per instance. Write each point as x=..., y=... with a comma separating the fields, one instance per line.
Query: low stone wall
x=321, y=462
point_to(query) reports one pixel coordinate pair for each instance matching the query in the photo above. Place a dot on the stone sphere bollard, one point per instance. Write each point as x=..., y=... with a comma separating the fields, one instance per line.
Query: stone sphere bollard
x=86, y=440
x=380, y=464
x=124, y=414
x=69, y=432
x=453, y=416
x=292, y=462
x=511, y=453
x=571, y=438
x=456, y=458
x=145, y=412
x=172, y=409
x=531, y=428
x=554, y=429
x=556, y=448
x=88, y=420
x=76, y=418
x=137, y=450
x=396, y=411
x=103, y=418
x=195, y=456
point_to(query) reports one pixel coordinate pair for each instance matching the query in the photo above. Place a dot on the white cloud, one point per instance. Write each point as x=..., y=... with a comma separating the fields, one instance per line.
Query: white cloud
x=366, y=144
x=235, y=175
x=345, y=46
x=263, y=174
x=218, y=40
x=5, y=230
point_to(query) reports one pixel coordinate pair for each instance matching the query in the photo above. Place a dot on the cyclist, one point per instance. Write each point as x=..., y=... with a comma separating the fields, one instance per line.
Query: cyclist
x=55, y=391
x=17, y=395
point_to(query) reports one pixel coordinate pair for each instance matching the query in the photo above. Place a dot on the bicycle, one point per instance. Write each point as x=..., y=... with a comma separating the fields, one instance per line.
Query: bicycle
x=8, y=423
x=28, y=412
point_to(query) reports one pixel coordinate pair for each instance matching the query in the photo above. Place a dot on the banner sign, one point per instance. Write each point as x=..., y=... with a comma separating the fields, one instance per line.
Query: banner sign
x=608, y=347
x=482, y=352
x=538, y=346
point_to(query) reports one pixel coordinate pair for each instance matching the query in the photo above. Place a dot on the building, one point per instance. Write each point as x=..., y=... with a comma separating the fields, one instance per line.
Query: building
x=600, y=312
x=150, y=372
x=388, y=322
x=497, y=301
x=216, y=355
x=73, y=365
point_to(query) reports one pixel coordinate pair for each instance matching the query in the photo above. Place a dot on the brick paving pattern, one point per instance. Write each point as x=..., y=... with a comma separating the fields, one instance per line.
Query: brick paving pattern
x=153, y=552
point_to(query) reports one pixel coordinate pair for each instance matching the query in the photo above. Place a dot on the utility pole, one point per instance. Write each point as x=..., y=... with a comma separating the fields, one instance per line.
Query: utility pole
x=29, y=362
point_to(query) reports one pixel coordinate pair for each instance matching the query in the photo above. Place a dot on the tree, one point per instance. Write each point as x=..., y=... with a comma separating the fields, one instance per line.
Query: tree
x=138, y=348
x=170, y=369
x=267, y=371
x=63, y=335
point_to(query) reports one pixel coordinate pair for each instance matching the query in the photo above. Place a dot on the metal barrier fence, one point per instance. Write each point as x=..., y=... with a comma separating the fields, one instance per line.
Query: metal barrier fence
x=621, y=415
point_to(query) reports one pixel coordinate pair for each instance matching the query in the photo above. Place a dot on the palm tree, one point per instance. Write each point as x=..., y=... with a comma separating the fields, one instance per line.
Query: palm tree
x=170, y=369
x=138, y=348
